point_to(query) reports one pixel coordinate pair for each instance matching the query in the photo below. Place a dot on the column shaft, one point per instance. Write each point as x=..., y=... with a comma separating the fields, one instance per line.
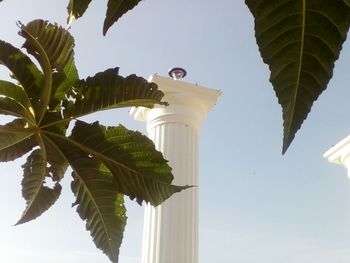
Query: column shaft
x=171, y=229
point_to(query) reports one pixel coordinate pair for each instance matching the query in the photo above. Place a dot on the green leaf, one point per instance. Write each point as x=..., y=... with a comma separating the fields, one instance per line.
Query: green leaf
x=22, y=69
x=76, y=9
x=100, y=204
x=115, y=10
x=15, y=140
x=139, y=170
x=106, y=161
x=38, y=197
x=107, y=90
x=14, y=101
x=57, y=164
x=97, y=197
x=347, y=2
x=58, y=45
x=35, y=48
x=53, y=122
x=300, y=41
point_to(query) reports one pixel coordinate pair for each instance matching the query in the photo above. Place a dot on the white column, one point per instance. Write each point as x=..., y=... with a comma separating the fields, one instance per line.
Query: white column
x=171, y=229
x=340, y=153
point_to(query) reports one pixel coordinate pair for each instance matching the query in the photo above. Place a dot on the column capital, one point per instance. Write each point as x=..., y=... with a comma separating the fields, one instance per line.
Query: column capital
x=340, y=153
x=188, y=103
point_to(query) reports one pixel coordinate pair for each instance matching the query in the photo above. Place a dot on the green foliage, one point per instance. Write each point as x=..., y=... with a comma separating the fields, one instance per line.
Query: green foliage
x=107, y=162
x=347, y=2
x=76, y=9
x=300, y=41
x=115, y=10
x=39, y=197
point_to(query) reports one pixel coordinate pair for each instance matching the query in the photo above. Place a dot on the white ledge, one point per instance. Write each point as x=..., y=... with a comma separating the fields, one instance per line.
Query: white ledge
x=188, y=103
x=339, y=153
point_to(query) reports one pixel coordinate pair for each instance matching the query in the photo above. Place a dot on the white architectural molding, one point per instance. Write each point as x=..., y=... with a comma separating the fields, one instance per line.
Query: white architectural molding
x=189, y=104
x=340, y=153
x=171, y=229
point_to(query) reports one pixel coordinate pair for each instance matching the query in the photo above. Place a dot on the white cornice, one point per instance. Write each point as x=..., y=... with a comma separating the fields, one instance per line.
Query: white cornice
x=340, y=153
x=188, y=103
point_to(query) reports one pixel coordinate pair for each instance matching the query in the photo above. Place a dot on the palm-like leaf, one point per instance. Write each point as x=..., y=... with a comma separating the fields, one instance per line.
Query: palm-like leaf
x=115, y=10
x=15, y=140
x=58, y=45
x=53, y=47
x=22, y=69
x=300, y=41
x=57, y=163
x=76, y=9
x=107, y=90
x=15, y=101
x=138, y=169
x=99, y=203
x=38, y=197
x=107, y=162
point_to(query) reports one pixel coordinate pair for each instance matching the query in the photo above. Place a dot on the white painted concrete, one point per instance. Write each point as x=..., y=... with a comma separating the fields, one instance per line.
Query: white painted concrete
x=340, y=153
x=171, y=229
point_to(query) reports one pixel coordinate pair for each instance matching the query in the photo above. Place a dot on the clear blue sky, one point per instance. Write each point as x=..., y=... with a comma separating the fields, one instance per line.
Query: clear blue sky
x=256, y=206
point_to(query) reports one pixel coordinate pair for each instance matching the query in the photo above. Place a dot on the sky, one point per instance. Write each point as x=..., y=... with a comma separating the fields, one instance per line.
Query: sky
x=256, y=206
